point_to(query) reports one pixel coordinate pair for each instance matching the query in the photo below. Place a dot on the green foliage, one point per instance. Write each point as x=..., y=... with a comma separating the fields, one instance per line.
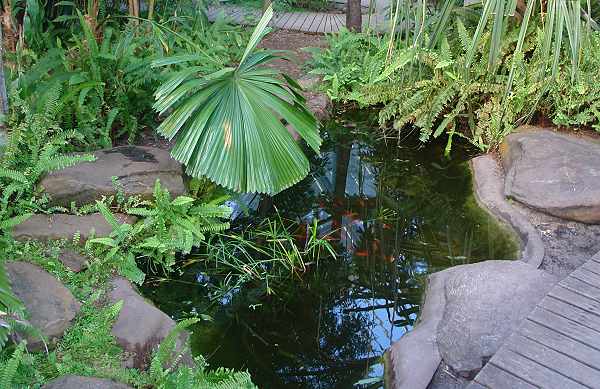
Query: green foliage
x=88, y=347
x=164, y=372
x=265, y=254
x=449, y=90
x=349, y=61
x=178, y=225
x=226, y=125
x=168, y=227
x=9, y=368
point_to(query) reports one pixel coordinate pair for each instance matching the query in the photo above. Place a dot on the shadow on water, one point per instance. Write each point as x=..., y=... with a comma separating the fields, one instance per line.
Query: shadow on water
x=397, y=213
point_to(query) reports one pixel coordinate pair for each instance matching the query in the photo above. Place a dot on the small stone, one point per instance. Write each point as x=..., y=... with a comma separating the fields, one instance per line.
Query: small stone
x=319, y=104
x=309, y=81
x=136, y=168
x=79, y=382
x=73, y=260
x=140, y=326
x=554, y=173
x=61, y=226
x=50, y=305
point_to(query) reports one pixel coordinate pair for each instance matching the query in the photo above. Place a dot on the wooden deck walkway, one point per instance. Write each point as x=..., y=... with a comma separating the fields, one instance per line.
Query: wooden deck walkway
x=311, y=22
x=558, y=345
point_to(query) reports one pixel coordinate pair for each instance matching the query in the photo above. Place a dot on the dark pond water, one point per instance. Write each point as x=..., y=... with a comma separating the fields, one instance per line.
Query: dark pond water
x=398, y=212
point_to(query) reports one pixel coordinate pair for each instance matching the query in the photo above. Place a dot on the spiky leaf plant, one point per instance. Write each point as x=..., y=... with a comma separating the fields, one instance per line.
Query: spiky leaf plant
x=227, y=126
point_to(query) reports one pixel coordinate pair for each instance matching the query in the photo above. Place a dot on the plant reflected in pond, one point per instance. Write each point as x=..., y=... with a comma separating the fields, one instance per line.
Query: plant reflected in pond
x=397, y=213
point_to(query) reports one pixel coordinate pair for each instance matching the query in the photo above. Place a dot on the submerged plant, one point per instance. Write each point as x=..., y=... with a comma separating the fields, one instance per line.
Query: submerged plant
x=266, y=254
x=226, y=124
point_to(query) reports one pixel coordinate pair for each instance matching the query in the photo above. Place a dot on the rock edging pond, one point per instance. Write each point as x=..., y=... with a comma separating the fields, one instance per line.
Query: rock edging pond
x=475, y=317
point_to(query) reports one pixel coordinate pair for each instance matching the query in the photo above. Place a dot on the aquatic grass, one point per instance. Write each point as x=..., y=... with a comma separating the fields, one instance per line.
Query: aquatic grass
x=265, y=254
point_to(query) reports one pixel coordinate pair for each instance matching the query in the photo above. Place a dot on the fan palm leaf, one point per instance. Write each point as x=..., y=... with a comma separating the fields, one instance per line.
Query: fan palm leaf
x=227, y=125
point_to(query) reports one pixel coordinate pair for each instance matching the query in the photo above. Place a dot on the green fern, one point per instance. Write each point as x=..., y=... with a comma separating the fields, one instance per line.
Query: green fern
x=9, y=370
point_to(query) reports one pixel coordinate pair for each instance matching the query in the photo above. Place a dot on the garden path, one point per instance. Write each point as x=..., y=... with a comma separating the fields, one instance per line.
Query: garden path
x=311, y=22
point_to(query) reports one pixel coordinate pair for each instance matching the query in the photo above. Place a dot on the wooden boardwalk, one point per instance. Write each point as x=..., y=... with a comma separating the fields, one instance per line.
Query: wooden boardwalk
x=311, y=22
x=558, y=345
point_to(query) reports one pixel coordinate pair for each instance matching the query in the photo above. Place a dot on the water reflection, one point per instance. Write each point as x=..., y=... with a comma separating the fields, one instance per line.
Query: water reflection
x=396, y=213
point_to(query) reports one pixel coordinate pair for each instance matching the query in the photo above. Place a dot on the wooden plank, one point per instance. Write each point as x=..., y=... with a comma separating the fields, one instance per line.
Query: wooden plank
x=531, y=371
x=340, y=21
x=566, y=327
x=586, y=276
x=555, y=361
x=310, y=20
x=592, y=266
x=494, y=377
x=581, y=287
x=299, y=23
x=316, y=24
x=576, y=298
x=285, y=16
x=293, y=18
x=558, y=342
x=328, y=27
x=276, y=18
x=571, y=312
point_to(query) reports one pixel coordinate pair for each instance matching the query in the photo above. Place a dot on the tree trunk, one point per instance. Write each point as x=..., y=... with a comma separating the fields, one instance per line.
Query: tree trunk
x=353, y=16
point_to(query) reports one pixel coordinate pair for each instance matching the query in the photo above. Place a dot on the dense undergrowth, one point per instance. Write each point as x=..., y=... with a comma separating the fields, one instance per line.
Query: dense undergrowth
x=84, y=81
x=451, y=85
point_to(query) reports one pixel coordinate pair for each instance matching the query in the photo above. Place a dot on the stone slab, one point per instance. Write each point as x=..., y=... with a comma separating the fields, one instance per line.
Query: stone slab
x=61, y=226
x=553, y=172
x=50, y=305
x=79, y=382
x=136, y=168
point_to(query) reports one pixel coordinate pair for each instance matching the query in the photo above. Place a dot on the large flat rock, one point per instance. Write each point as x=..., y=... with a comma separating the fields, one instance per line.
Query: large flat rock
x=485, y=303
x=61, y=226
x=50, y=305
x=554, y=173
x=136, y=168
x=468, y=312
x=140, y=326
x=79, y=382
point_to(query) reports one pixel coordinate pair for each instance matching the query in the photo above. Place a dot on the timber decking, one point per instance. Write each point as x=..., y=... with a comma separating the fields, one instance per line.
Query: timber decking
x=558, y=345
x=312, y=22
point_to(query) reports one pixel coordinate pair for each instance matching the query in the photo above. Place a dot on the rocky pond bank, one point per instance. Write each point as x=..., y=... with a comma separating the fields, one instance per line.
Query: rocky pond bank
x=544, y=185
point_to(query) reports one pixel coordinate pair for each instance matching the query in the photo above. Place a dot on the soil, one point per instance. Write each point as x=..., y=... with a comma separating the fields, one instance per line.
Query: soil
x=568, y=244
x=294, y=42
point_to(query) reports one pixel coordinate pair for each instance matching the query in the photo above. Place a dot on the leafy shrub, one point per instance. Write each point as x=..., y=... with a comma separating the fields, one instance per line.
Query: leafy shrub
x=169, y=227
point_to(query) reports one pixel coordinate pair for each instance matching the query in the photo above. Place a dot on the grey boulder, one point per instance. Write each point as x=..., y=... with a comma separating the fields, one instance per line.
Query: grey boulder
x=61, y=226
x=141, y=326
x=79, y=382
x=555, y=173
x=136, y=169
x=50, y=305
x=485, y=302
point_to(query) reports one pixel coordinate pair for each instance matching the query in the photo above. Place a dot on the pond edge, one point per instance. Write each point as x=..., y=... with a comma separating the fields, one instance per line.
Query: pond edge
x=488, y=189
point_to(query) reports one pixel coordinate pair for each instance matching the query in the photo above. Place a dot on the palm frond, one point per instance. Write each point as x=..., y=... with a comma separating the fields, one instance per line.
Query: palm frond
x=227, y=126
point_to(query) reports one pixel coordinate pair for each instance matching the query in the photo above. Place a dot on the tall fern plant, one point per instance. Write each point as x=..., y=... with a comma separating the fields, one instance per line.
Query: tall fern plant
x=227, y=125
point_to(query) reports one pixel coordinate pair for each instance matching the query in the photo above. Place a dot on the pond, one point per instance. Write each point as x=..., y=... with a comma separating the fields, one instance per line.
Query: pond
x=397, y=210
